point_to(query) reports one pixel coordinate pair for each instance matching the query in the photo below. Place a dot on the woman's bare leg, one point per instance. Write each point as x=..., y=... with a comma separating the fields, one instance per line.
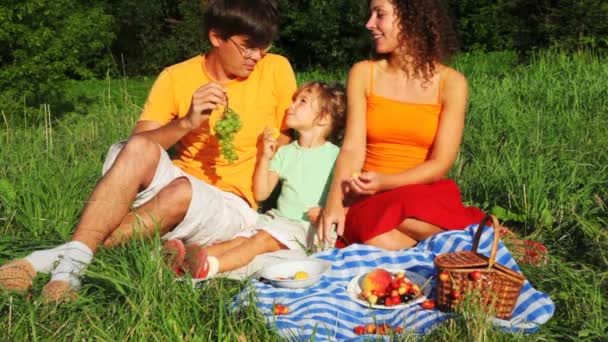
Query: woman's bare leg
x=406, y=235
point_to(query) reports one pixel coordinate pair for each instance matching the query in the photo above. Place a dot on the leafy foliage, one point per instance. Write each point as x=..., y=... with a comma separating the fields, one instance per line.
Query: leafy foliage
x=323, y=33
x=45, y=42
x=152, y=34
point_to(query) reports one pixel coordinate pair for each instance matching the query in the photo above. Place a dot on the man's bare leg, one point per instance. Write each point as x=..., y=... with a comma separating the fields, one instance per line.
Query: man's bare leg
x=163, y=211
x=110, y=201
x=107, y=207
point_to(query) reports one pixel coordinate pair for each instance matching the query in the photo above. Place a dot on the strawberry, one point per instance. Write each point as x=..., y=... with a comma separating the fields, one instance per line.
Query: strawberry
x=475, y=275
x=280, y=309
x=388, y=301
x=456, y=295
x=428, y=304
x=384, y=329
x=359, y=330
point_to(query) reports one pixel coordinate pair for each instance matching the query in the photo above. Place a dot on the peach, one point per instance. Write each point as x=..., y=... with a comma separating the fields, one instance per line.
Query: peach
x=376, y=280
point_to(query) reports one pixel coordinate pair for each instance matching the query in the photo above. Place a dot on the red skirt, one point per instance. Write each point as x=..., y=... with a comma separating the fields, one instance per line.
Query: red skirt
x=438, y=203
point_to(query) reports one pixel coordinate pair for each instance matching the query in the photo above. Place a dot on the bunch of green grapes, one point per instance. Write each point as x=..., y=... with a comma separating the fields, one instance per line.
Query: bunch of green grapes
x=225, y=129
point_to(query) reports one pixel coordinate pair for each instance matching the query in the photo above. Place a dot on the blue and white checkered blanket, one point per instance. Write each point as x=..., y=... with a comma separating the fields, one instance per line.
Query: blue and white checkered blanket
x=326, y=312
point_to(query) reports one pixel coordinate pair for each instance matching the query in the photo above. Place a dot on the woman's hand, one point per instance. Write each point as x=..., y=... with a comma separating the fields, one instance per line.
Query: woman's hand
x=331, y=218
x=367, y=183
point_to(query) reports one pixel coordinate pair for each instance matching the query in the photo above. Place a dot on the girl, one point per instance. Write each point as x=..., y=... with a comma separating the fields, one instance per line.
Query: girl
x=304, y=167
x=405, y=123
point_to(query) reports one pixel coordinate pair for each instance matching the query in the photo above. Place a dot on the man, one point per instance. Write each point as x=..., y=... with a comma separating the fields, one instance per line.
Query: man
x=198, y=196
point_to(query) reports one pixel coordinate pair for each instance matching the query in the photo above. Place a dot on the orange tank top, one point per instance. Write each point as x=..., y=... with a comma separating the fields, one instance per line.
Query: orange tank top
x=399, y=134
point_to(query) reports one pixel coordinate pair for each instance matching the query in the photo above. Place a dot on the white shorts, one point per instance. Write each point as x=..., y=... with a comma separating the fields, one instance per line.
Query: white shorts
x=213, y=215
x=292, y=234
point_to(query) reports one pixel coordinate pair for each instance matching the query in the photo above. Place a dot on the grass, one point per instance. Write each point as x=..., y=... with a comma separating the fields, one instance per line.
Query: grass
x=534, y=153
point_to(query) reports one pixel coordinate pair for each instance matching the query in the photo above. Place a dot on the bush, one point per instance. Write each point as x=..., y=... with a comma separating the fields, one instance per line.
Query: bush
x=152, y=34
x=321, y=33
x=46, y=42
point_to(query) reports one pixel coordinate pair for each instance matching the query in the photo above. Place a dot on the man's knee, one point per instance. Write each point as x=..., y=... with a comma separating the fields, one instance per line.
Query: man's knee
x=141, y=151
x=177, y=195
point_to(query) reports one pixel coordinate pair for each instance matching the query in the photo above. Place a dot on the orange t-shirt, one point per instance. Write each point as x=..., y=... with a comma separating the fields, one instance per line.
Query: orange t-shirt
x=399, y=134
x=260, y=100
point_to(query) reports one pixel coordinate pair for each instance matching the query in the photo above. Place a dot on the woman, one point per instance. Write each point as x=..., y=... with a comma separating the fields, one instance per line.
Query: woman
x=404, y=127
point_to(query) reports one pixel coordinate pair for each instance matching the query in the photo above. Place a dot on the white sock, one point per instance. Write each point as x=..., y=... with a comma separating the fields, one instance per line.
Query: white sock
x=44, y=260
x=75, y=258
x=214, y=266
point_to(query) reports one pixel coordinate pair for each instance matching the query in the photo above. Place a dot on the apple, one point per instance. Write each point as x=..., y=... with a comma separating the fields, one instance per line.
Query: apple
x=376, y=280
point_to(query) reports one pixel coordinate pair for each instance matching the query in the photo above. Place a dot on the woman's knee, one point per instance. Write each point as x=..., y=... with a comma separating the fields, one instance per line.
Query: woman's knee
x=418, y=230
x=392, y=240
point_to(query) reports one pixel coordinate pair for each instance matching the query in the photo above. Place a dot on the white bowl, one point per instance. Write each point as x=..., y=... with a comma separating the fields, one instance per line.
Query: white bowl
x=281, y=275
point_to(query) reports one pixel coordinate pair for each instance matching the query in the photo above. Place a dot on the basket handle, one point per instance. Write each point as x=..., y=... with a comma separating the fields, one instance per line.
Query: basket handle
x=482, y=224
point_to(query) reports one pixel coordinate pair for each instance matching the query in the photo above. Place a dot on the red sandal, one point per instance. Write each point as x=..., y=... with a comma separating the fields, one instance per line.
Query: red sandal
x=175, y=252
x=196, y=262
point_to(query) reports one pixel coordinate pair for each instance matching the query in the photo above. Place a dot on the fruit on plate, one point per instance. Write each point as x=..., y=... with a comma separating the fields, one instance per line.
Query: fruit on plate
x=384, y=288
x=376, y=280
x=300, y=275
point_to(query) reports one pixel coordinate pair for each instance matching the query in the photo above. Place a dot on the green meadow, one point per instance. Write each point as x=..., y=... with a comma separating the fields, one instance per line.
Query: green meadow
x=534, y=153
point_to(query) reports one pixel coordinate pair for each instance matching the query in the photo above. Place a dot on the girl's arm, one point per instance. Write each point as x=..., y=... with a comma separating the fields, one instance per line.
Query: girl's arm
x=264, y=180
x=444, y=150
x=352, y=152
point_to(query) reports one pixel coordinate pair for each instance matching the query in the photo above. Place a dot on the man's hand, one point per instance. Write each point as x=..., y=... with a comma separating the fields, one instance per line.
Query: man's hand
x=269, y=143
x=205, y=100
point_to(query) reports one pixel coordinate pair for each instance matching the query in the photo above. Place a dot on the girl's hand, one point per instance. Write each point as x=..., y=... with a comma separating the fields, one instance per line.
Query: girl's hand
x=367, y=183
x=269, y=142
x=314, y=214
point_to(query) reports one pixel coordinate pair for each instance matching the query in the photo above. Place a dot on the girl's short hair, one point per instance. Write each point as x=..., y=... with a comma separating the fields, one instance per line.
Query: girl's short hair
x=331, y=100
x=256, y=19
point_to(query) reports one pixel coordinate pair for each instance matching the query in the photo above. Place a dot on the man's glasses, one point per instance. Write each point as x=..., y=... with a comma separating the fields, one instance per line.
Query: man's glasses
x=248, y=52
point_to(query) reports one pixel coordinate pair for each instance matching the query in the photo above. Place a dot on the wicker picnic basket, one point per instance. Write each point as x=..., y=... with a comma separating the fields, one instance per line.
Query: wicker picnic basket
x=494, y=287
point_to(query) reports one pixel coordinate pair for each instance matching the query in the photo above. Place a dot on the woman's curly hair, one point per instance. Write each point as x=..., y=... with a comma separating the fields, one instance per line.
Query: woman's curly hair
x=427, y=32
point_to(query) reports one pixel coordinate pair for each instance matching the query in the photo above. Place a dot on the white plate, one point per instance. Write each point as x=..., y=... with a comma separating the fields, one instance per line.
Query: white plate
x=353, y=290
x=314, y=267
